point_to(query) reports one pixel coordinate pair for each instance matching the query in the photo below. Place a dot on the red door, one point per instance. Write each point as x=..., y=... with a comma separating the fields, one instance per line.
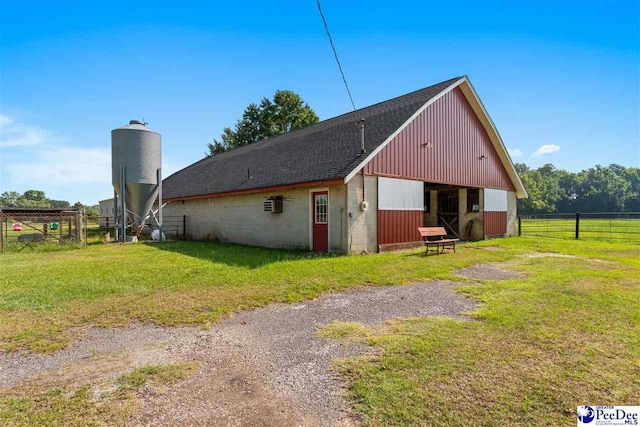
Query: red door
x=320, y=218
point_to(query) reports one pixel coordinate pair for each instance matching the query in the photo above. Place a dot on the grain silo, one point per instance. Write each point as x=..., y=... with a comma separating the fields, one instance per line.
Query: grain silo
x=136, y=176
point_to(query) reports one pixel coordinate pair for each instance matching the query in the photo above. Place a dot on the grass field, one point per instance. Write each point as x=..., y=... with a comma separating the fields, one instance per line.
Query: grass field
x=590, y=228
x=568, y=334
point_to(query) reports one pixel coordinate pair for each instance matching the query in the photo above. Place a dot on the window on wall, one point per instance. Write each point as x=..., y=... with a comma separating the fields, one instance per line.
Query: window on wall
x=473, y=200
x=321, y=208
x=427, y=202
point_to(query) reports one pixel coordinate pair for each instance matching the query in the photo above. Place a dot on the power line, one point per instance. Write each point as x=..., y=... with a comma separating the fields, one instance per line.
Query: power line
x=335, y=54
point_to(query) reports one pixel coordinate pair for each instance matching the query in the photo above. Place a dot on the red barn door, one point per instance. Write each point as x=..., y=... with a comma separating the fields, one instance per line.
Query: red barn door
x=320, y=219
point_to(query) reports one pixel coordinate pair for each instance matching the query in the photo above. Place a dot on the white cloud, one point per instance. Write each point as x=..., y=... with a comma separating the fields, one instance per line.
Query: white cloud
x=4, y=121
x=15, y=134
x=514, y=152
x=546, y=149
x=63, y=165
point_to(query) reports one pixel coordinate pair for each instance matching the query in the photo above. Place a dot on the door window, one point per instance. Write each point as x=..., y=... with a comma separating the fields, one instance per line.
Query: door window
x=321, y=209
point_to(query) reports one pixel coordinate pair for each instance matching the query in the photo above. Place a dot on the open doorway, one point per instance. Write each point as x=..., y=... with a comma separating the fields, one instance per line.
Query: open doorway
x=448, y=211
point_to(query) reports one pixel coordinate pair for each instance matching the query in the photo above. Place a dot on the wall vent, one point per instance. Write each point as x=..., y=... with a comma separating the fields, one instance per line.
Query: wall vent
x=273, y=204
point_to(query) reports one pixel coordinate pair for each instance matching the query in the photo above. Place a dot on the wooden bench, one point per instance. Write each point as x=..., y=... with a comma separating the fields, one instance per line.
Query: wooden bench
x=436, y=236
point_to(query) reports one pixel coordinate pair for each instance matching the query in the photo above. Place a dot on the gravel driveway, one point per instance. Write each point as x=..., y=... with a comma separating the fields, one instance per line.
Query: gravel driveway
x=260, y=367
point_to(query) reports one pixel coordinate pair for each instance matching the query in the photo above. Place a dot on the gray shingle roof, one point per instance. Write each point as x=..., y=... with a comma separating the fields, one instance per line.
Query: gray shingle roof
x=327, y=150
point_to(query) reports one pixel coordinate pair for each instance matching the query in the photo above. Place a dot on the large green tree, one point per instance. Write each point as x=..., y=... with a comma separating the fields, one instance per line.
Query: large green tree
x=286, y=112
x=9, y=199
x=543, y=188
x=602, y=189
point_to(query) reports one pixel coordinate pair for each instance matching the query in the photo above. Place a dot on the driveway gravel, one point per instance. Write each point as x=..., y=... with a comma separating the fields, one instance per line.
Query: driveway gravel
x=262, y=367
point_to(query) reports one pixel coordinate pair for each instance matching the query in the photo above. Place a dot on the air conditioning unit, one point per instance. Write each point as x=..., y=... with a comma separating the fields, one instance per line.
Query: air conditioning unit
x=273, y=204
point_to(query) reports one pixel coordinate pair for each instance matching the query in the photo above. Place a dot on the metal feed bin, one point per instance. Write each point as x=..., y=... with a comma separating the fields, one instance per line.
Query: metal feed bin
x=136, y=175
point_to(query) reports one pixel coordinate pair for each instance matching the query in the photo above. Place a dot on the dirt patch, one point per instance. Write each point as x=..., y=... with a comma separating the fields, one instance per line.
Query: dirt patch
x=557, y=255
x=261, y=367
x=489, y=272
x=488, y=248
x=102, y=354
x=549, y=254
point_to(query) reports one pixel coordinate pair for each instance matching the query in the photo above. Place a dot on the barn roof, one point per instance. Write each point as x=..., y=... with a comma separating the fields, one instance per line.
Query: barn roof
x=328, y=150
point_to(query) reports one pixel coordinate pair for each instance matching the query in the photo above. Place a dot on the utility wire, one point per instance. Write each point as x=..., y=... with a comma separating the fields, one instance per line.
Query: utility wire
x=336, y=55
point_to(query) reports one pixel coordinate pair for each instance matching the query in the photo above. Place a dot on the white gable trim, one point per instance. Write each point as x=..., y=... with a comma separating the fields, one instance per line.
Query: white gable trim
x=482, y=114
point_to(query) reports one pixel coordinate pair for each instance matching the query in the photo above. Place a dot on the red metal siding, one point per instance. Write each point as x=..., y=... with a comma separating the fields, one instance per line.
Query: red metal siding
x=495, y=223
x=457, y=141
x=399, y=226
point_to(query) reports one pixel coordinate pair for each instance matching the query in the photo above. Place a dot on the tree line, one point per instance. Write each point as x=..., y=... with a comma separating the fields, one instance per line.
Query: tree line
x=612, y=188
x=38, y=199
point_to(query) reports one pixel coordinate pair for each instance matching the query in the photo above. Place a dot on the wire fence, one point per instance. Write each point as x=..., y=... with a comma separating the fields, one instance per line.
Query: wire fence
x=37, y=229
x=601, y=225
x=173, y=226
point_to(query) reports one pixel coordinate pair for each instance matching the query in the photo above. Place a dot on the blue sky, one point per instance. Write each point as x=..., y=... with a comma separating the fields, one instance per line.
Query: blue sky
x=564, y=75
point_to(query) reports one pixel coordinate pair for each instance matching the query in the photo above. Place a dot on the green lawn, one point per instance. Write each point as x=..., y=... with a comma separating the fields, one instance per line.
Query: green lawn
x=568, y=334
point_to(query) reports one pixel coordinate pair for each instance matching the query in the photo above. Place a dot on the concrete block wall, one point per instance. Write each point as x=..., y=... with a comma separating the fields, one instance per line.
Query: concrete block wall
x=431, y=219
x=338, y=221
x=512, y=213
x=477, y=230
x=241, y=218
x=362, y=226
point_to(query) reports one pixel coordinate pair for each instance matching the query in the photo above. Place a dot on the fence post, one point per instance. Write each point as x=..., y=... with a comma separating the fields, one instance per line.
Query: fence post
x=577, y=225
x=184, y=226
x=519, y=225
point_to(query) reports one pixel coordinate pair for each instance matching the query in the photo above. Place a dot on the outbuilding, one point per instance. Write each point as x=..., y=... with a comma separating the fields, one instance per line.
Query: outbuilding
x=362, y=181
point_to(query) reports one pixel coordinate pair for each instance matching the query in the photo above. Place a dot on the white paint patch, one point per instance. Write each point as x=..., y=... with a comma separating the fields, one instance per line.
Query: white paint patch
x=495, y=200
x=400, y=194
